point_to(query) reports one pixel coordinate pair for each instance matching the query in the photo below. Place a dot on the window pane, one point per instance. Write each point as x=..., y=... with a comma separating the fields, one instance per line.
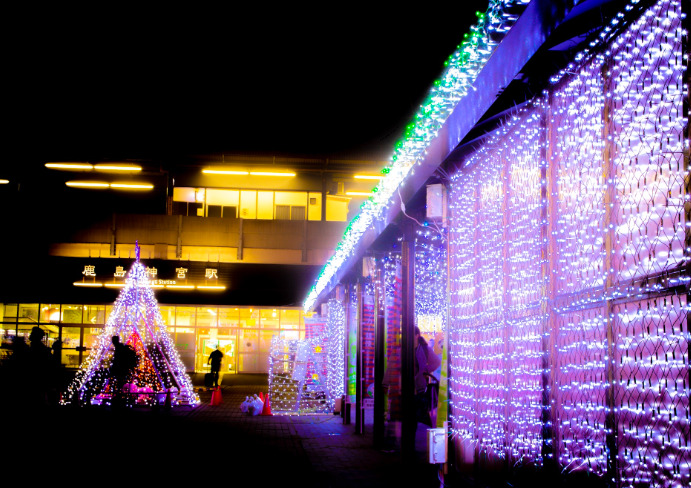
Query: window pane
x=183, y=330
x=23, y=331
x=248, y=340
x=269, y=318
x=265, y=340
x=91, y=335
x=72, y=314
x=28, y=312
x=207, y=317
x=185, y=345
x=50, y=313
x=265, y=205
x=7, y=331
x=168, y=315
x=185, y=316
x=290, y=319
x=70, y=343
x=314, y=211
x=94, y=314
x=248, y=204
x=249, y=317
x=9, y=311
x=228, y=317
x=52, y=333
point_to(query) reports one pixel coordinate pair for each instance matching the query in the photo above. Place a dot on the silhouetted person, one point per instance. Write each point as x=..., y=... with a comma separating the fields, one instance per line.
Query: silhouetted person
x=33, y=371
x=215, y=359
x=124, y=362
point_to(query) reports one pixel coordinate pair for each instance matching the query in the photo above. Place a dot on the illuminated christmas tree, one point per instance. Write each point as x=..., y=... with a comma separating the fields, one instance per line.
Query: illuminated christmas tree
x=160, y=376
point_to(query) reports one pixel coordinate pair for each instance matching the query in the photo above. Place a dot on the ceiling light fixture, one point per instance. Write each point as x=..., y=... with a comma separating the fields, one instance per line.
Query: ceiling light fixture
x=72, y=166
x=270, y=173
x=87, y=184
x=225, y=172
x=101, y=185
x=368, y=177
x=132, y=186
x=117, y=167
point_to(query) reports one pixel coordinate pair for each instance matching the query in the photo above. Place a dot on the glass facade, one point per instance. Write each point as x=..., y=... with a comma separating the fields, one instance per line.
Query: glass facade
x=243, y=334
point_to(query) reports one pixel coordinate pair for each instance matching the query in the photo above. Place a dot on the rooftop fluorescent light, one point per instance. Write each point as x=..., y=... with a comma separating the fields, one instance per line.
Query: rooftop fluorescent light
x=87, y=184
x=117, y=167
x=72, y=166
x=271, y=173
x=132, y=186
x=225, y=172
x=104, y=184
x=368, y=177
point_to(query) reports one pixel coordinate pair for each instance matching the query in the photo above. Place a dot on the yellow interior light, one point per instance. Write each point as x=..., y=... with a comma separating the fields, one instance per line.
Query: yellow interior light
x=87, y=184
x=210, y=287
x=92, y=285
x=117, y=167
x=359, y=193
x=271, y=173
x=4, y=182
x=114, y=285
x=72, y=166
x=181, y=287
x=368, y=177
x=210, y=171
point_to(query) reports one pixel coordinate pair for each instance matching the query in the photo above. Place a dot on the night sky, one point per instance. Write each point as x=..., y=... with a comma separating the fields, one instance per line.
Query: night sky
x=167, y=84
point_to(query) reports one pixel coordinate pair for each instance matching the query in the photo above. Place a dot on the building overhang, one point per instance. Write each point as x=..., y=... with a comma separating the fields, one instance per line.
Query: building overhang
x=529, y=36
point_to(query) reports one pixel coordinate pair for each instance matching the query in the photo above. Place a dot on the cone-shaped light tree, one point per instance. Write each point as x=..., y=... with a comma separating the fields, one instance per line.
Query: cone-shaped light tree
x=160, y=376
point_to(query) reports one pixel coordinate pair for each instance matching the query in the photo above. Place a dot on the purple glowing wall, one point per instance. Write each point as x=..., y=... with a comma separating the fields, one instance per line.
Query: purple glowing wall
x=569, y=272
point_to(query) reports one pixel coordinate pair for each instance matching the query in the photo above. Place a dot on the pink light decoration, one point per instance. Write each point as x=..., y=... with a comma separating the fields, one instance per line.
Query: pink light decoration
x=569, y=270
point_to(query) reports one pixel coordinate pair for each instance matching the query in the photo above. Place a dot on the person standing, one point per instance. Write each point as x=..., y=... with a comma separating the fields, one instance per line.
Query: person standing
x=124, y=362
x=215, y=359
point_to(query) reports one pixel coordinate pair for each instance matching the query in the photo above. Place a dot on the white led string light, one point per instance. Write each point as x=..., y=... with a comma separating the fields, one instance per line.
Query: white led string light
x=335, y=340
x=499, y=302
x=456, y=82
x=137, y=319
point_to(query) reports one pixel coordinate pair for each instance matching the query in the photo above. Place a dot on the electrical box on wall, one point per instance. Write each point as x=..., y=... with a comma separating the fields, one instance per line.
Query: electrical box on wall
x=437, y=445
x=436, y=202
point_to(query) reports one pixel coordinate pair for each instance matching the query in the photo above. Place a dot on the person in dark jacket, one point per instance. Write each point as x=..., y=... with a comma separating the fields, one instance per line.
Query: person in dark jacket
x=215, y=359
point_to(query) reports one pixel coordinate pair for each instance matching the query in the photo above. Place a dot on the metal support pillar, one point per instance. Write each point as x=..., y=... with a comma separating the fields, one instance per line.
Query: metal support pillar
x=359, y=412
x=409, y=424
x=379, y=360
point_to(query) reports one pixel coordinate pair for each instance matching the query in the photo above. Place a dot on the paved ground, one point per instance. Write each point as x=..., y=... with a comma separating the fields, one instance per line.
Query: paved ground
x=207, y=444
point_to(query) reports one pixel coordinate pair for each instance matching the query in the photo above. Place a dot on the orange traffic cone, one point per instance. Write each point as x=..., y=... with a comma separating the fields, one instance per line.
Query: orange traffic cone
x=267, y=406
x=216, y=397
